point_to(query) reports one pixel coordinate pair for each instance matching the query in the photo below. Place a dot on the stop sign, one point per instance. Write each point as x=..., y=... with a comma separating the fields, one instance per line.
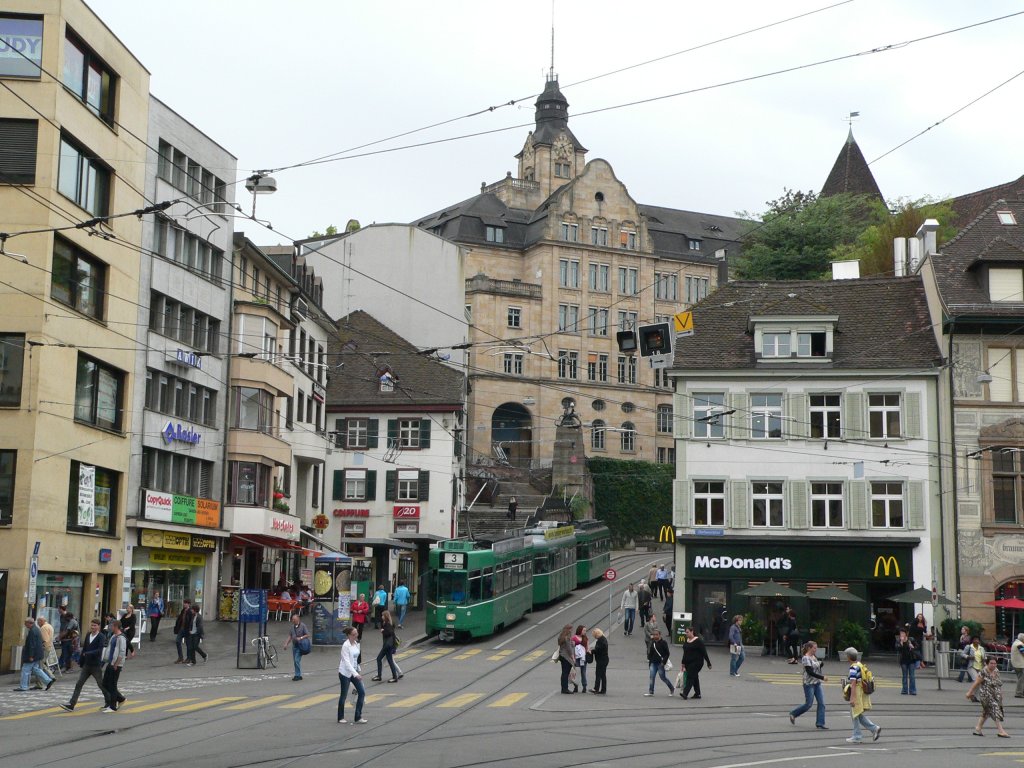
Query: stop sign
x=610, y=574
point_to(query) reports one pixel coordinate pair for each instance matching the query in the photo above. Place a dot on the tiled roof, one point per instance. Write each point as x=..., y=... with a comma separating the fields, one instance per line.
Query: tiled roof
x=968, y=207
x=851, y=174
x=883, y=323
x=985, y=239
x=367, y=348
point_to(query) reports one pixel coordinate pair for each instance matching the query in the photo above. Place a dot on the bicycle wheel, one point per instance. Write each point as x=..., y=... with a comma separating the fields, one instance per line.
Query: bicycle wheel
x=271, y=652
x=261, y=656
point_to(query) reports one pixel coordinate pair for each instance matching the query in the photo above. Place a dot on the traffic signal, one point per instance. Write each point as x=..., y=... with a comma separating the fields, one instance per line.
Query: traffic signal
x=655, y=339
x=626, y=341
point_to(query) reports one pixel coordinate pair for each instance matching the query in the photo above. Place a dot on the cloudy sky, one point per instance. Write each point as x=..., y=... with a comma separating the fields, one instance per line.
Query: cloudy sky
x=282, y=83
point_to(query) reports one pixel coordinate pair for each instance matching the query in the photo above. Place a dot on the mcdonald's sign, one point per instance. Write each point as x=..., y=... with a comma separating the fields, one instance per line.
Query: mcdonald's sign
x=885, y=563
x=667, y=534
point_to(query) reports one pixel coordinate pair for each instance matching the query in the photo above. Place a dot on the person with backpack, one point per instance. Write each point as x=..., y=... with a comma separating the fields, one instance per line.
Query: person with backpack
x=906, y=652
x=380, y=604
x=859, y=686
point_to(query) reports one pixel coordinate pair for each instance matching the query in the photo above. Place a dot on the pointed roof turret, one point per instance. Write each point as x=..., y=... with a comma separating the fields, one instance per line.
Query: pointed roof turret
x=552, y=115
x=851, y=174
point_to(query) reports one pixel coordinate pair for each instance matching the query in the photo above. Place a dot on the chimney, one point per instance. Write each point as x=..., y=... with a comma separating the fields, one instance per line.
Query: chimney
x=914, y=246
x=899, y=256
x=846, y=270
x=926, y=234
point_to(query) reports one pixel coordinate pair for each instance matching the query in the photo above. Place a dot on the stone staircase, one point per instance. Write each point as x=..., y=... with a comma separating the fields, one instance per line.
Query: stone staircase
x=489, y=519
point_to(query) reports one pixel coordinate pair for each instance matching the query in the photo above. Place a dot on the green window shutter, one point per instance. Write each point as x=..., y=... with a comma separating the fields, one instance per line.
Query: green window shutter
x=424, y=433
x=423, y=490
x=799, y=502
x=738, y=493
x=915, y=505
x=392, y=433
x=457, y=443
x=912, y=414
x=339, y=484
x=857, y=513
x=798, y=408
x=739, y=422
x=371, y=484
x=853, y=416
x=340, y=433
x=371, y=433
x=390, y=484
x=681, y=503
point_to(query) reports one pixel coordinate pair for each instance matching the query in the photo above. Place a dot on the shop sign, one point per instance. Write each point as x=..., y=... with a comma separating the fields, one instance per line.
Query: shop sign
x=406, y=513
x=282, y=525
x=21, y=47
x=188, y=357
x=351, y=513
x=203, y=543
x=176, y=432
x=86, y=495
x=319, y=392
x=321, y=522
x=746, y=563
x=185, y=510
x=820, y=562
x=667, y=534
x=105, y=555
x=182, y=559
x=164, y=539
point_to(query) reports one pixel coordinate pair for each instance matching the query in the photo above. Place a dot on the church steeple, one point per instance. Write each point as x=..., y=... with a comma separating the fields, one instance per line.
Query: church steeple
x=851, y=174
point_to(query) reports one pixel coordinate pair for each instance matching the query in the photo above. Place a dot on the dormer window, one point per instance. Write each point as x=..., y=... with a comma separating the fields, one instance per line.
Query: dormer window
x=794, y=338
x=1006, y=284
x=810, y=344
x=1006, y=217
x=495, y=234
x=775, y=345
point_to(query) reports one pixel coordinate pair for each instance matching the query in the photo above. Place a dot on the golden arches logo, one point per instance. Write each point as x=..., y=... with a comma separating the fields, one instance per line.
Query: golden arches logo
x=667, y=534
x=885, y=564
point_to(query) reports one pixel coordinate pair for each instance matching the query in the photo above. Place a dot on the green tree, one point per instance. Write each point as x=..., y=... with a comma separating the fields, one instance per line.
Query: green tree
x=874, y=245
x=331, y=231
x=801, y=233
x=633, y=498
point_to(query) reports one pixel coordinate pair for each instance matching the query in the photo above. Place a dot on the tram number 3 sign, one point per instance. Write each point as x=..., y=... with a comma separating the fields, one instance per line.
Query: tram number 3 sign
x=610, y=574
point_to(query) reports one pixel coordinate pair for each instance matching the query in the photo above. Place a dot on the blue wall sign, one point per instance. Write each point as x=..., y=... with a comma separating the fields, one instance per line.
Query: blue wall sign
x=176, y=432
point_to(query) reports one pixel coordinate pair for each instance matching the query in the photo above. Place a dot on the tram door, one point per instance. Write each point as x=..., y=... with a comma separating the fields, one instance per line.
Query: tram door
x=407, y=573
x=710, y=611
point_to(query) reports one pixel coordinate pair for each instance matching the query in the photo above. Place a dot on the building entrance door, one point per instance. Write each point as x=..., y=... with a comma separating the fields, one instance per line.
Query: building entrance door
x=407, y=573
x=709, y=610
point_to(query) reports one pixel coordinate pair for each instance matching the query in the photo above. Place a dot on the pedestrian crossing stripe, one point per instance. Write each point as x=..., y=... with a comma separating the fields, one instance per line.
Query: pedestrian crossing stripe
x=156, y=705
x=206, y=704
x=534, y=655
x=259, y=702
x=468, y=654
x=408, y=652
x=312, y=700
x=414, y=701
x=461, y=700
x=437, y=653
x=783, y=678
x=508, y=700
x=500, y=655
x=23, y=715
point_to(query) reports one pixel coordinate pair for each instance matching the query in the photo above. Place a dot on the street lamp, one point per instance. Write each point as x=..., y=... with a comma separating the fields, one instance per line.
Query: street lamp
x=260, y=184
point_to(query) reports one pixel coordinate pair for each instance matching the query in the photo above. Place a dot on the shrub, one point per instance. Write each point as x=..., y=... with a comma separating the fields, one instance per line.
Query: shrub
x=949, y=629
x=753, y=630
x=850, y=633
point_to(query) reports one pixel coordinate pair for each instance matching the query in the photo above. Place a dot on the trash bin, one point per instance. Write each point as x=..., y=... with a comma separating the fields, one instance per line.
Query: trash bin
x=928, y=652
x=680, y=621
x=942, y=659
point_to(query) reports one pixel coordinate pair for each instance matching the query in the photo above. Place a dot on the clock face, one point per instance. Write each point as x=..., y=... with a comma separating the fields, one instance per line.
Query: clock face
x=562, y=146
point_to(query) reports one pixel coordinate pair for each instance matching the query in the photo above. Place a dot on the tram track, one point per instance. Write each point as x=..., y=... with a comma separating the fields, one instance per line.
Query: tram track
x=170, y=725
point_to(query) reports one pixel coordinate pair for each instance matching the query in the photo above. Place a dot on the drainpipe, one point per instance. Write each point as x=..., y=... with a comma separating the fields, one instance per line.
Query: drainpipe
x=956, y=506
x=225, y=466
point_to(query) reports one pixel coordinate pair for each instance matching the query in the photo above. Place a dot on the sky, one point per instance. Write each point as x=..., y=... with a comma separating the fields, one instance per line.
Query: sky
x=281, y=83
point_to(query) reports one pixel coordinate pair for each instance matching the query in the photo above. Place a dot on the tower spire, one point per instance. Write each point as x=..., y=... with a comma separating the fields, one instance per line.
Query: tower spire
x=551, y=71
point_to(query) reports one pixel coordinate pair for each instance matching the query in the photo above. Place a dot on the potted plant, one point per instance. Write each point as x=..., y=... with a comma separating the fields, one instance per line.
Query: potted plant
x=851, y=634
x=753, y=630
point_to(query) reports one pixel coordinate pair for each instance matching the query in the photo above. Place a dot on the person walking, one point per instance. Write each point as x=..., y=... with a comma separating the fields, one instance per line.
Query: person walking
x=736, y=653
x=652, y=580
x=387, y=649
x=298, y=636
x=129, y=624
x=813, y=689
x=380, y=604
x=360, y=611
x=628, y=606
x=961, y=658
x=650, y=627
x=601, y=661
x=401, y=602
x=67, y=636
x=49, y=654
x=32, y=657
x=91, y=663
x=513, y=505
x=860, y=700
x=644, y=599
x=907, y=654
x=114, y=655
x=349, y=674
x=695, y=656
x=975, y=655
x=1017, y=661
x=181, y=629
x=657, y=658
x=666, y=608
x=988, y=690
x=566, y=656
x=155, y=611
x=196, y=633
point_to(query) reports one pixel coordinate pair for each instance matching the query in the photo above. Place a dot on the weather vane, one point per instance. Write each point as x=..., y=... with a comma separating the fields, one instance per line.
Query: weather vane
x=850, y=118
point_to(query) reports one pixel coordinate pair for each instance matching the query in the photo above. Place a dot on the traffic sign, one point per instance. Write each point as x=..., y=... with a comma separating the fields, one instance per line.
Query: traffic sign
x=33, y=574
x=935, y=596
x=683, y=322
x=610, y=574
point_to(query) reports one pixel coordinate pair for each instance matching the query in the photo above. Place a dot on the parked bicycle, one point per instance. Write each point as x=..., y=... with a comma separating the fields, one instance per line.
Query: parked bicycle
x=266, y=653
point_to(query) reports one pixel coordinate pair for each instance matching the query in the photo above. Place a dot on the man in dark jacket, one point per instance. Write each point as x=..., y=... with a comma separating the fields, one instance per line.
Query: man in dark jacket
x=657, y=657
x=32, y=657
x=67, y=633
x=195, y=636
x=92, y=663
x=182, y=626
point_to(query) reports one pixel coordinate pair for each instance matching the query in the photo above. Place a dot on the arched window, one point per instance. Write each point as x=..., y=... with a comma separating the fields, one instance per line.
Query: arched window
x=627, y=440
x=597, y=435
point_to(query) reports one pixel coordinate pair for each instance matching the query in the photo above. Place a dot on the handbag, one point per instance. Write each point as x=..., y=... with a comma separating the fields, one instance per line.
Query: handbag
x=376, y=600
x=305, y=645
x=668, y=664
x=554, y=656
x=590, y=657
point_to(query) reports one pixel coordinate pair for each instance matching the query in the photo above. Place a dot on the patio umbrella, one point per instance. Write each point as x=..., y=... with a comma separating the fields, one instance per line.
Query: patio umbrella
x=771, y=588
x=919, y=595
x=834, y=595
x=1009, y=603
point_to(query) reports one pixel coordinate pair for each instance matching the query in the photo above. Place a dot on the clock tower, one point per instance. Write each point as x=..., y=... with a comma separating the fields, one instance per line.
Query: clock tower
x=551, y=156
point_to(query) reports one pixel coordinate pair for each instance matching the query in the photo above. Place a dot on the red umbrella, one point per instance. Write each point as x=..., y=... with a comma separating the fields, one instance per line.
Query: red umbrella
x=1007, y=602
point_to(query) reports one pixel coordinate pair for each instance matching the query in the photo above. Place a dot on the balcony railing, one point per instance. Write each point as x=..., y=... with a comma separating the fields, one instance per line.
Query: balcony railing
x=523, y=185
x=516, y=288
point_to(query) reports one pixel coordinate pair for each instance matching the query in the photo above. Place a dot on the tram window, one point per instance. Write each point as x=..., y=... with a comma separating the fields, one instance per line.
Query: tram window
x=488, y=583
x=540, y=563
x=451, y=587
x=506, y=581
x=474, y=586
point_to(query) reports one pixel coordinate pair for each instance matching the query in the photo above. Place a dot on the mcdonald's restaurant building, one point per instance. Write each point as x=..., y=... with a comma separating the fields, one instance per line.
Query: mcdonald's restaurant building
x=715, y=569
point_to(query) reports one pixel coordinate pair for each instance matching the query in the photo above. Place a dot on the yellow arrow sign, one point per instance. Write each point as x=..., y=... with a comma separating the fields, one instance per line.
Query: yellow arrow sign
x=683, y=322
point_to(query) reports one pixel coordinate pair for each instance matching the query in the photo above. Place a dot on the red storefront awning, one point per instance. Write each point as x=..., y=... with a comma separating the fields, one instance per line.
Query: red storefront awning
x=273, y=542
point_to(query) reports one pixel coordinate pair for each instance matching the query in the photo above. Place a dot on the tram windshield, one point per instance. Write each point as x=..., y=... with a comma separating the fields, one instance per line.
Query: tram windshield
x=451, y=587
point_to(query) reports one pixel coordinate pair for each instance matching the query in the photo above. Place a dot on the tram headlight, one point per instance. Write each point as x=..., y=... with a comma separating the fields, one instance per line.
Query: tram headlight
x=449, y=617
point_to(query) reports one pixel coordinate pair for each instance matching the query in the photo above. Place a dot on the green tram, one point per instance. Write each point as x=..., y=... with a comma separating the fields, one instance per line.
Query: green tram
x=476, y=588
x=554, y=560
x=593, y=551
